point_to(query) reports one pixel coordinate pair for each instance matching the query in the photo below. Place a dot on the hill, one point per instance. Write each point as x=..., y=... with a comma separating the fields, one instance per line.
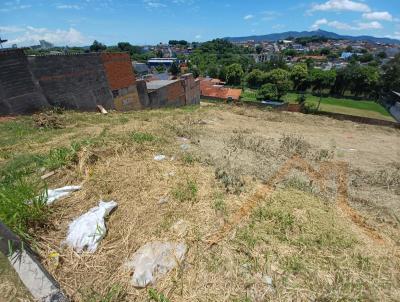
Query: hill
x=322, y=33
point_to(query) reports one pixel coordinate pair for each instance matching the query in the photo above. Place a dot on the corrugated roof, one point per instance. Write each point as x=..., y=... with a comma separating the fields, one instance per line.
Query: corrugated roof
x=153, y=85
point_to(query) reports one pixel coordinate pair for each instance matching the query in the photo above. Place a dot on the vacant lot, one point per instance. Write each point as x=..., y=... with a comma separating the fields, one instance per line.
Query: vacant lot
x=324, y=228
x=348, y=106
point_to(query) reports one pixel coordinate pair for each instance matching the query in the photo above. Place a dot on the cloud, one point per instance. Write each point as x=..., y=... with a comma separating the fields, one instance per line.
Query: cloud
x=68, y=6
x=31, y=35
x=386, y=16
x=197, y=37
x=10, y=6
x=270, y=15
x=150, y=4
x=11, y=29
x=370, y=25
x=345, y=26
x=248, y=17
x=341, y=5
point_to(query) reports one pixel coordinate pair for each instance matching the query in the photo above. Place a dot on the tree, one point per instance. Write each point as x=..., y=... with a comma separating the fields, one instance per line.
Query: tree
x=97, y=46
x=298, y=75
x=255, y=78
x=212, y=72
x=382, y=55
x=159, y=53
x=234, y=74
x=174, y=69
x=259, y=49
x=267, y=92
x=321, y=79
x=280, y=78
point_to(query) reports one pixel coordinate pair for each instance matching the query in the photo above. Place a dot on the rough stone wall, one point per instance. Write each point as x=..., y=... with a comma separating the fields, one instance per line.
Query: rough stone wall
x=73, y=81
x=19, y=92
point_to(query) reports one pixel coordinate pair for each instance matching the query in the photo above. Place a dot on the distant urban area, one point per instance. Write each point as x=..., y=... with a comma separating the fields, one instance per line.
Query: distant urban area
x=313, y=70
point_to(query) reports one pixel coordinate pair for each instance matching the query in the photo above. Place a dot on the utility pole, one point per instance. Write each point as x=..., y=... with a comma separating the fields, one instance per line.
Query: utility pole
x=1, y=42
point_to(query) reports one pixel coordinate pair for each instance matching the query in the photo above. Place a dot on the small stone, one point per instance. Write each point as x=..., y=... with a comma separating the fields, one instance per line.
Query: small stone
x=163, y=200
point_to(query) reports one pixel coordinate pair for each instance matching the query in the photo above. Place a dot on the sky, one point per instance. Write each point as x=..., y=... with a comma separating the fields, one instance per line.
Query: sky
x=140, y=22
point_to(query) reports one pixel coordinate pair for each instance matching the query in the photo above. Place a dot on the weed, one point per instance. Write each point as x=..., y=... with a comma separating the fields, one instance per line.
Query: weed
x=115, y=293
x=142, y=137
x=186, y=191
x=22, y=205
x=293, y=264
x=59, y=157
x=291, y=145
x=232, y=182
x=219, y=204
x=245, y=140
x=154, y=295
x=188, y=159
x=299, y=184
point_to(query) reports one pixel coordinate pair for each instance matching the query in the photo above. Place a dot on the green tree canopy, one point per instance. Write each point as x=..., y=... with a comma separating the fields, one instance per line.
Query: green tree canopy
x=267, y=92
x=234, y=74
x=298, y=75
x=255, y=78
x=281, y=79
x=97, y=46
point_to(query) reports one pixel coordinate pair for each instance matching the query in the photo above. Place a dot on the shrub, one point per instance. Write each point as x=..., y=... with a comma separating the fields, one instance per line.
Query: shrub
x=186, y=191
x=267, y=92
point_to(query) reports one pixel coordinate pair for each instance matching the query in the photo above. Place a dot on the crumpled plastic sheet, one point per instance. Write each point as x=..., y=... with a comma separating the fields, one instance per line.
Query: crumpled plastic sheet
x=155, y=259
x=86, y=231
x=55, y=194
x=159, y=157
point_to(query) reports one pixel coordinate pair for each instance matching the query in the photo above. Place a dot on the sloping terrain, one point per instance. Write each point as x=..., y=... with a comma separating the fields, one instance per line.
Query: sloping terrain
x=303, y=207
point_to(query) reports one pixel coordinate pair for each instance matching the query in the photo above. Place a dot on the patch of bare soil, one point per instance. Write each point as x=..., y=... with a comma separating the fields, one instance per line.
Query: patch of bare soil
x=275, y=205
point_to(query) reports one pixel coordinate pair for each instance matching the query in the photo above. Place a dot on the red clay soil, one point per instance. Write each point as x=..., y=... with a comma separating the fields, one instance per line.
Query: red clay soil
x=208, y=88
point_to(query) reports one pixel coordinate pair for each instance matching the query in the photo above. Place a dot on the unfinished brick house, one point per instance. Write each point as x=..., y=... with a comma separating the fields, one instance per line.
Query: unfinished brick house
x=81, y=82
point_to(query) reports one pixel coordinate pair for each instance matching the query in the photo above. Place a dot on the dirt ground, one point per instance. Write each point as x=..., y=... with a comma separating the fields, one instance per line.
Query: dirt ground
x=300, y=236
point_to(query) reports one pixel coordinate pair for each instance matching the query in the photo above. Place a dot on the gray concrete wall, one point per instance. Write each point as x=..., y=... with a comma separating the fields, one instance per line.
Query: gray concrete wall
x=73, y=81
x=19, y=92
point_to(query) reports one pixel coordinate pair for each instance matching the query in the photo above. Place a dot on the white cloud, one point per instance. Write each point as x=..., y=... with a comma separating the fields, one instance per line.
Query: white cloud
x=248, y=17
x=318, y=23
x=197, y=37
x=10, y=29
x=341, y=5
x=370, y=25
x=345, y=26
x=153, y=4
x=270, y=15
x=31, y=36
x=68, y=6
x=10, y=7
x=386, y=16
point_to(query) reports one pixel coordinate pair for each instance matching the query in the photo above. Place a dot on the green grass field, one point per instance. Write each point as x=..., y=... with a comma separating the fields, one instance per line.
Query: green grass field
x=363, y=108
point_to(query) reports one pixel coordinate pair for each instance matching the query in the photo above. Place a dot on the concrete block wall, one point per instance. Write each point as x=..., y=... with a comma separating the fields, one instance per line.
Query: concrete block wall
x=73, y=81
x=82, y=82
x=19, y=91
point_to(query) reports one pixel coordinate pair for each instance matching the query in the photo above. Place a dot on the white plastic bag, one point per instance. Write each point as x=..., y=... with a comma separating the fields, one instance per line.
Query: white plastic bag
x=154, y=260
x=55, y=194
x=89, y=229
x=159, y=157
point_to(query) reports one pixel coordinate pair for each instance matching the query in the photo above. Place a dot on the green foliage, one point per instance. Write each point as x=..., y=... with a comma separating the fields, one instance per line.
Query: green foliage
x=391, y=76
x=174, y=69
x=255, y=78
x=280, y=78
x=142, y=137
x=298, y=75
x=219, y=53
x=178, y=42
x=97, y=46
x=186, y=191
x=213, y=72
x=267, y=92
x=234, y=74
x=154, y=295
x=314, y=39
x=22, y=201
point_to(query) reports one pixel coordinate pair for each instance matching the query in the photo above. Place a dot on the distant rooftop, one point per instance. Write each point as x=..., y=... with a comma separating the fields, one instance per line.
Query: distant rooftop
x=153, y=85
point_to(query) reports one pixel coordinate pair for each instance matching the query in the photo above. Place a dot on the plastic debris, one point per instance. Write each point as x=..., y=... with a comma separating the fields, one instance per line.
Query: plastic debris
x=184, y=147
x=159, y=157
x=55, y=194
x=180, y=228
x=155, y=259
x=86, y=231
x=163, y=200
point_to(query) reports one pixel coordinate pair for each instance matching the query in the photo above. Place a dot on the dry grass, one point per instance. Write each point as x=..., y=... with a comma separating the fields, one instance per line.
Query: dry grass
x=297, y=237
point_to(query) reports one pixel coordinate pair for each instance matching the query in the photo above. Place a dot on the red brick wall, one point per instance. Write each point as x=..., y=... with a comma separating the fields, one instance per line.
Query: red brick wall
x=119, y=70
